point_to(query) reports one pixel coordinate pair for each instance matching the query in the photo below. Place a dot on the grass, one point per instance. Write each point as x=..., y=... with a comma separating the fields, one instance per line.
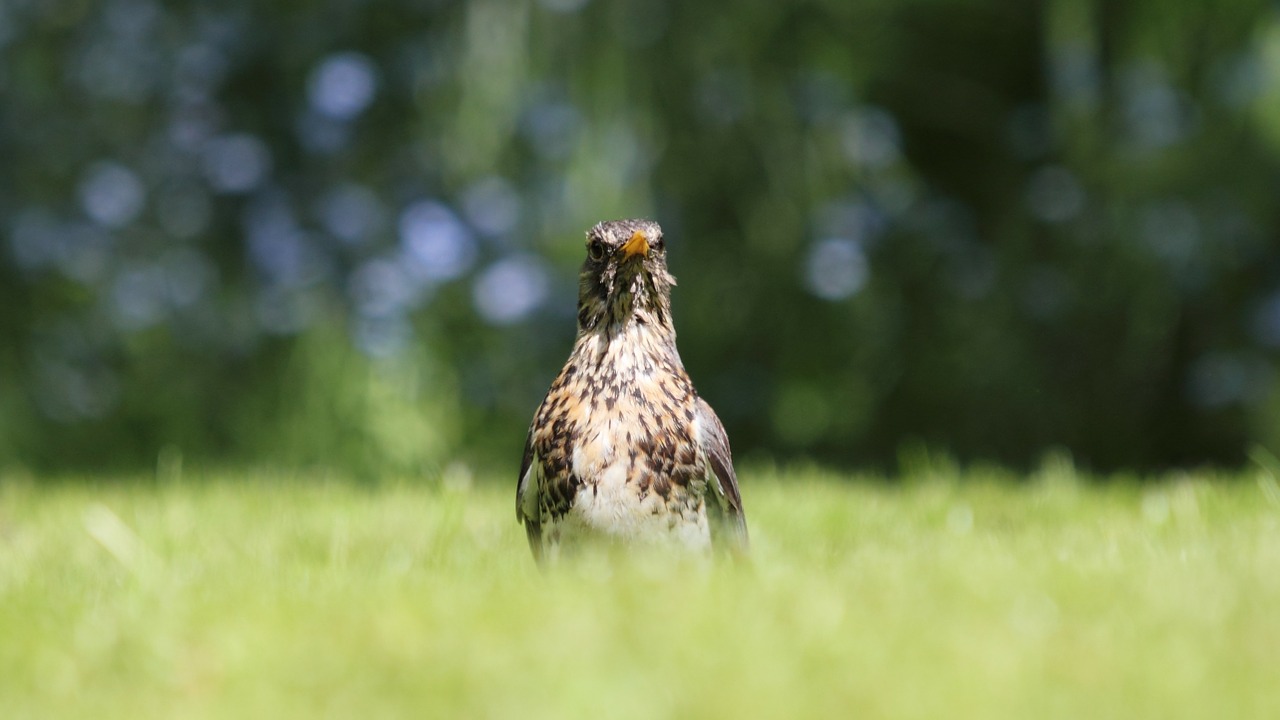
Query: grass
x=956, y=595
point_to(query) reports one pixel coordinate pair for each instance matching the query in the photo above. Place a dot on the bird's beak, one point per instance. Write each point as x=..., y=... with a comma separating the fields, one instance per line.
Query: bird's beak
x=637, y=245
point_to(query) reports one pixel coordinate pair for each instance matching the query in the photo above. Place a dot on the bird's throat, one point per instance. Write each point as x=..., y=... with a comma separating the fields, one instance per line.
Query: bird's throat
x=628, y=301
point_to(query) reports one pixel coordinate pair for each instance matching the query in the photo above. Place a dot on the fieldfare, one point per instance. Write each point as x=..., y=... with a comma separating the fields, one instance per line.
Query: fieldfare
x=622, y=449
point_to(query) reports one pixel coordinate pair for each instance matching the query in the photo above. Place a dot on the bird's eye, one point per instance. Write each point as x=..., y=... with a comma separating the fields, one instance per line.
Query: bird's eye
x=596, y=250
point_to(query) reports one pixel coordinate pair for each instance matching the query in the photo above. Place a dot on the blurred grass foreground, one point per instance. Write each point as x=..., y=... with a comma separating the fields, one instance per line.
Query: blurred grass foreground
x=950, y=595
x=346, y=234
x=340, y=239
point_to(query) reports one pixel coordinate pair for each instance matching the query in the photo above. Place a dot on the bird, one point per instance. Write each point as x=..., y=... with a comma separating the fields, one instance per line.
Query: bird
x=622, y=451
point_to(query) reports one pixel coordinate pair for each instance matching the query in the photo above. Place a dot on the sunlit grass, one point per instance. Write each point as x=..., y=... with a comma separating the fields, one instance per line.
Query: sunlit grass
x=952, y=595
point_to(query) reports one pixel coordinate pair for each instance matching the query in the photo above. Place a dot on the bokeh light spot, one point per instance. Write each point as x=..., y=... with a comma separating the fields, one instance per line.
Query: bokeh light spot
x=1075, y=75
x=1156, y=113
x=343, y=85
x=111, y=194
x=871, y=138
x=380, y=288
x=236, y=163
x=836, y=269
x=511, y=289
x=855, y=218
x=1054, y=195
x=492, y=206
x=437, y=245
x=281, y=249
x=138, y=296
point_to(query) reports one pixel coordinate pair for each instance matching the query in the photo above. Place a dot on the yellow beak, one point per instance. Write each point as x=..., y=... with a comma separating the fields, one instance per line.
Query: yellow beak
x=637, y=245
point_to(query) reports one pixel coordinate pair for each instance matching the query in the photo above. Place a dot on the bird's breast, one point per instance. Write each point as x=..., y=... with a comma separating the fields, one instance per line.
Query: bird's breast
x=629, y=441
x=634, y=409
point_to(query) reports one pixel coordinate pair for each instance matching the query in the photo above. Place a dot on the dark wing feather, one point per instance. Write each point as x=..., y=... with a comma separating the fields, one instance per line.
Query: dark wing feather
x=527, y=496
x=724, y=506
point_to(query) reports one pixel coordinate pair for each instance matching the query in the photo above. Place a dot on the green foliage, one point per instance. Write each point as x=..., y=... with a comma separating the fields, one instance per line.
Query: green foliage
x=991, y=227
x=332, y=405
x=953, y=593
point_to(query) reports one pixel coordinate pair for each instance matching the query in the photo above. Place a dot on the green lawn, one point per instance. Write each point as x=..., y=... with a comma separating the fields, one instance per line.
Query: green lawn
x=952, y=595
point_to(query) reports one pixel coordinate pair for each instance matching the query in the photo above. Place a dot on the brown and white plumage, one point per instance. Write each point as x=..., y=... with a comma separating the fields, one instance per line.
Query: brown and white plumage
x=622, y=448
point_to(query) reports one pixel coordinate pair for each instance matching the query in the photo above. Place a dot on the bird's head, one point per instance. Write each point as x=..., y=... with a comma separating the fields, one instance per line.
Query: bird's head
x=624, y=277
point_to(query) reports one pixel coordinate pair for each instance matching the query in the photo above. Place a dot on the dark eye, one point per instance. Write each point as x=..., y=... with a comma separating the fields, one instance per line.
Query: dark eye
x=596, y=250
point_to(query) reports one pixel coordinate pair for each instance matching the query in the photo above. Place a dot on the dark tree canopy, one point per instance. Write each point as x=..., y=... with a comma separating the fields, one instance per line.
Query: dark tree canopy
x=347, y=233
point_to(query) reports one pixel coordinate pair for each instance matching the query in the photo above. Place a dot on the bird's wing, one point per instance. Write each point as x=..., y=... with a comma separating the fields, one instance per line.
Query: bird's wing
x=724, y=506
x=527, y=510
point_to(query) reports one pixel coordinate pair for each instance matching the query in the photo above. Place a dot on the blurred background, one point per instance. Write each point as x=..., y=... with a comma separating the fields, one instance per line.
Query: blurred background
x=346, y=234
